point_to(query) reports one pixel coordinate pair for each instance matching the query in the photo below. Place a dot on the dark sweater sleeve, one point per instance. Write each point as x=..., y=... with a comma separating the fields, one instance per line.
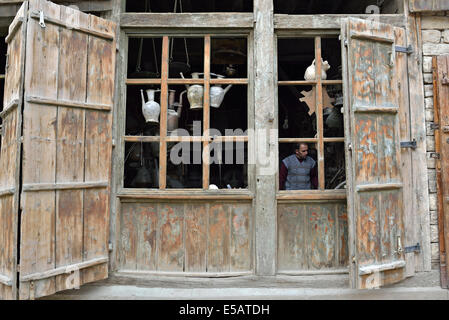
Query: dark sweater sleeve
x=314, y=177
x=283, y=172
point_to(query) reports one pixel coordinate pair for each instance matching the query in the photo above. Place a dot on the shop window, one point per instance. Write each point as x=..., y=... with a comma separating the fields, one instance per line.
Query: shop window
x=189, y=142
x=336, y=6
x=179, y=6
x=308, y=118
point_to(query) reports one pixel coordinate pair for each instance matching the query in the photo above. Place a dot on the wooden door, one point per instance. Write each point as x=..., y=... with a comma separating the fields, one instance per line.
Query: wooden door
x=67, y=144
x=10, y=155
x=441, y=107
x=375, y=185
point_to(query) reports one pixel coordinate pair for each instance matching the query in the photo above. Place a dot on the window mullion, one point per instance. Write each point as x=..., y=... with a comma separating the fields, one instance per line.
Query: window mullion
x=206, y=114
x=319, y=113
x=163, y=116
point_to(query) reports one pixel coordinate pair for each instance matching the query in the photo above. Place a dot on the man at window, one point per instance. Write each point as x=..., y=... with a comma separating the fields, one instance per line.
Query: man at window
x=298, y=171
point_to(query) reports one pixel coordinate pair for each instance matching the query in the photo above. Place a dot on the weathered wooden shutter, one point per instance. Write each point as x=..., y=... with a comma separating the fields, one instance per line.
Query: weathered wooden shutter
x=10, y=155
x=375, y=184
x=67, y=144
x=428, y=5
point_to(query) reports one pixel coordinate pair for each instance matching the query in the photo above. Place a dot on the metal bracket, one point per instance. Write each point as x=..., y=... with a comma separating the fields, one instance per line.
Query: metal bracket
x=42, y=19
x=415, y=248
x=409, y=144
x=407, y=50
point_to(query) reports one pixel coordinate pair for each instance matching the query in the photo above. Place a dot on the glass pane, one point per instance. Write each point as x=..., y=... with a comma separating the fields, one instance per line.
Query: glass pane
x=144, y=57
x=138, y=98
x=334, y=165
x=182, y=119
x=229, y=58
x=335, y=7
x=189, y=6
x=297, y=119
x=186, y=56
x=141, y=165
x=298, y=170
x=331, y=52
x=184, y=165
x=230, y=116
x=294, y=58
x=229, y=165
x=333, y=119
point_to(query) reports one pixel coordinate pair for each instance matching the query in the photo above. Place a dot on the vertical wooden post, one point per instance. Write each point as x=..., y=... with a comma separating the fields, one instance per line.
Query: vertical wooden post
x=206, y=113
x=420, y=197
x=319, y=113
x=163, y=120
x=265, y=115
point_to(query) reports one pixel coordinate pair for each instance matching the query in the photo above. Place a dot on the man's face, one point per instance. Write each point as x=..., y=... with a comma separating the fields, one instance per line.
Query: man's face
x=302, y=152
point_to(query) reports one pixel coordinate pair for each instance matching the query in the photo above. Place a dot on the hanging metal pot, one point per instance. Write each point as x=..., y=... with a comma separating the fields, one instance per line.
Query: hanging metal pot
x=176, y=67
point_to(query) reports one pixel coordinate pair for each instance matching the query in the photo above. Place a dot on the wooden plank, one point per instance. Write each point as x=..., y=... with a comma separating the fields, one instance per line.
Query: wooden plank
x=310, y=195
x=196, y=217
x=193, y=194
x=321, y=236
x=241, y=236
x=39, y=154
x=342, y=236
x=128, y=237
x=428, y=5
x=69, y=103
x=420, y=200
x=378, y=186
x=319, y=112
x=72, y=85
x=218, y=239
x=327, y=21
x=292, y=252
x=170, y=246
x=163, y=117
x=146, y=229
x=206, y=112
x=187, y=20
x=30, y=187
x=265, y=103
x=441, y=69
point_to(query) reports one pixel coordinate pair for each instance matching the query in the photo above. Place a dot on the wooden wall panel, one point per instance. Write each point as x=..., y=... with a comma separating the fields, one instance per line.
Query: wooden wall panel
x=171, y=246
x=240, y=237
x=218, y=253
x=292, y=251
x=196, y=237
x=313, y=236
x=428, y=5
x=321, y=232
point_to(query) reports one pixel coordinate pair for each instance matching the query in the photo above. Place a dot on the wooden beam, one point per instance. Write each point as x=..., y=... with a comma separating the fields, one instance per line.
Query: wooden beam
x=206, y=112
x=319, y=113
x=327, y=21
x=265, y=126
x=187, y=20
x=191, y=194
x=163, y=116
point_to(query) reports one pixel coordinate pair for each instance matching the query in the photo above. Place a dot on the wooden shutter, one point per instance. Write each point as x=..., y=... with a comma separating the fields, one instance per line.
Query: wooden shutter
x=67, y=145
x=10, y=155
x=441, y=107
x=374, y=179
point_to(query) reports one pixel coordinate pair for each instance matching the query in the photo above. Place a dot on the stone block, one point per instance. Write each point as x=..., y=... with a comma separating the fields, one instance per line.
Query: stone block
x=430, y=141
x=431, y=163
x=428, y=90
x=432, y=201
x=429, y=130
x=445, y=36
x=435, y=49
x=428, y=78
x=431, y=36
x=427, y=64
x=434, y=217
x=435, y=252
x=429, y=115
x=429, y=103
x=432, y=176
x=437, y=23
x=433, y=233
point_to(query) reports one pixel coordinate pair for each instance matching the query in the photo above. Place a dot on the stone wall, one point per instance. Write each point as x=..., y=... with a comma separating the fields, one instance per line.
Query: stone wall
x=435, y=41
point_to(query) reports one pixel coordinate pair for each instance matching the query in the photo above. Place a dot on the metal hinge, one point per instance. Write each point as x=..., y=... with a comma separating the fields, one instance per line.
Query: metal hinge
x=110, y=247
x=434, y=155
x=409, y=144
x=415, y=248
x=407, y=50
x=445, y=80
x=42, y=19
x=434, y=126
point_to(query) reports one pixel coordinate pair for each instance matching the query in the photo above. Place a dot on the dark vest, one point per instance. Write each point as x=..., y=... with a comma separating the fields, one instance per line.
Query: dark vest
x=298, y=177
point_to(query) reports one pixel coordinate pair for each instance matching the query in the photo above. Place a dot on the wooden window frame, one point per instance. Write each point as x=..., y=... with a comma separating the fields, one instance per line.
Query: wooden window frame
x=164, y=81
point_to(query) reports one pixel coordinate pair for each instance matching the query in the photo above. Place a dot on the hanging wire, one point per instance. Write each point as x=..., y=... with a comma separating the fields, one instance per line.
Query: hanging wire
x=172, y=40
x=154, y=45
